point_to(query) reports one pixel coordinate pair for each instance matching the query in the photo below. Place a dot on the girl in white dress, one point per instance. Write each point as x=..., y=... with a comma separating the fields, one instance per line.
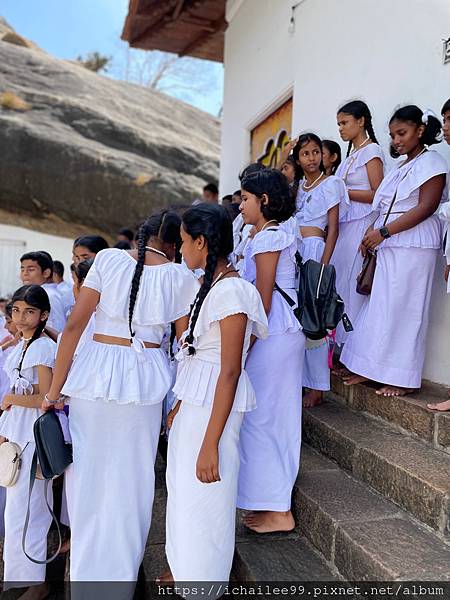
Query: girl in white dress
x=29, y=367
x=362, y=172
x=331, y=156
x=390, y=333
x=213, y=394
x=321, y=200
x=116, y=387
x=444, y=214
x=271, y=434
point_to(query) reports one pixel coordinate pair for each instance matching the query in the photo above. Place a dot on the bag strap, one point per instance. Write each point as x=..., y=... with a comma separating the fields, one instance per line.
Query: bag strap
x=396, y=191
x=283, y=294
x=27, y=518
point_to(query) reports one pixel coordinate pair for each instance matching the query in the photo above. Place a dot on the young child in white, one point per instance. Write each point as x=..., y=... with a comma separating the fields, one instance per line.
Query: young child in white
x=29, y=367
x=213, y=393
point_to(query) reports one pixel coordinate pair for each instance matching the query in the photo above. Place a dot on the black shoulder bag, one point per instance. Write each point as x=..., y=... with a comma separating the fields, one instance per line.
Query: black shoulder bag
x=54, y=456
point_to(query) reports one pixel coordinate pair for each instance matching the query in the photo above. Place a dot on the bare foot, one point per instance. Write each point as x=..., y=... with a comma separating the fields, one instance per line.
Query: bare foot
x=269, y=521
x=341, y=371
x=392, y=390
x=312, y=398
x=354, y=379
x=36, y=592
x=440, y=406
x=166, y=578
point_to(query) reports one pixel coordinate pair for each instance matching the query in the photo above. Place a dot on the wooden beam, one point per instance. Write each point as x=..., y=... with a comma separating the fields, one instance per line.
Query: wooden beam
x=217, y=26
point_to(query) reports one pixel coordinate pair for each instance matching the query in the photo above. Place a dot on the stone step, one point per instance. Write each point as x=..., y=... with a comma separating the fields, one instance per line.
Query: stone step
x=409, y=413
x=276, y=559
x=404, y=470
x=362, y=536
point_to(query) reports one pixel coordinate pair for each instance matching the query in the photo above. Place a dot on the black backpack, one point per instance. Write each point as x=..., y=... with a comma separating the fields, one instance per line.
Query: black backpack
x=320, y=308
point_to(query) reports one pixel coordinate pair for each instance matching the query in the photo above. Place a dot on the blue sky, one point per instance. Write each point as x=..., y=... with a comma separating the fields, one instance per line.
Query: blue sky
x=69, y=28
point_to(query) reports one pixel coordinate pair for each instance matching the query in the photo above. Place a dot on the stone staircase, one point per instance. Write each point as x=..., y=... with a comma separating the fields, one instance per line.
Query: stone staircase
x=373, y=493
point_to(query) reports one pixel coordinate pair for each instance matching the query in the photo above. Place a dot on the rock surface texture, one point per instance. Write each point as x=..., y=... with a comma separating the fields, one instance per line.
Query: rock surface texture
x=93, y=150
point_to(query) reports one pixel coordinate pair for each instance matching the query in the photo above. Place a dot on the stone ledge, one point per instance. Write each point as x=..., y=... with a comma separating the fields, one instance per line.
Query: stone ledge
x=402, y=469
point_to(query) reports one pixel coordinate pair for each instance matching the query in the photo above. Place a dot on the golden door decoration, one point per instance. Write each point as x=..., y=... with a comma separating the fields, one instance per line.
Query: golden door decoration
x=271, y=135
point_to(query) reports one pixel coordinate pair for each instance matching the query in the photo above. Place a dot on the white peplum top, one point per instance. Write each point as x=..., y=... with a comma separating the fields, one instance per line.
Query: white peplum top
x=406, y=180
x=135, y=374
x=197, y=374
x=354, y=173
x=16, y=424
x=313, y=205
x=281, y=239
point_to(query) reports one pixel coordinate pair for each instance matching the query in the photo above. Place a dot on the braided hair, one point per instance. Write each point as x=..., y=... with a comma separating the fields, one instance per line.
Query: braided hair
x=359, y=109
x=37, y=297
x=164, y=225
x=213, y=222
x=333, y=148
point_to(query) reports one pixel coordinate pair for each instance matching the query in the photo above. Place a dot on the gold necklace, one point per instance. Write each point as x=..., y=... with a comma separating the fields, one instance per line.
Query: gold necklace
x=155, y=250
x=268, y=223
x=361, y=145
x=222, y=273
x=308, y=187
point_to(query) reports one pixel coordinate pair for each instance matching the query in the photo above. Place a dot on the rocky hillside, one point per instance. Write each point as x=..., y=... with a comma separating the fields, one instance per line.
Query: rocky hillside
x=91, y=150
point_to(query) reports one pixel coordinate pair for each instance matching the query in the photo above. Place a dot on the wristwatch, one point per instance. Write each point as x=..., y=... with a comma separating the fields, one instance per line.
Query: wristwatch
x=384, y=231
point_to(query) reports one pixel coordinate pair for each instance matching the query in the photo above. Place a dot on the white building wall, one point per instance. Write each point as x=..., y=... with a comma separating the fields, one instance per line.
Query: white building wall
x=15, y=241
x=386, y=52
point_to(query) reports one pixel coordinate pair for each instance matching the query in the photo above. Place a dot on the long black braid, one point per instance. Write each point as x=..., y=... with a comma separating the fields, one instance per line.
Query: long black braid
x=37, y=297
x=136, y=281
x=210, y=268
x=214, y=224
x=358, y=109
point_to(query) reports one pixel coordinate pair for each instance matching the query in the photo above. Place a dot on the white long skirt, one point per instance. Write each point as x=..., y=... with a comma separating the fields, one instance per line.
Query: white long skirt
x=389, y=339
x=271, y=434
x=348, y=262
x=200, y=522
x=19, y=570
x=111, y=487
x=316, y=373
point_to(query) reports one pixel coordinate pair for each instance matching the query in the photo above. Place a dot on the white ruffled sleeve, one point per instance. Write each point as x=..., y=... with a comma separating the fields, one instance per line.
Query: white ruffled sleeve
x=427, y=166
x=94, y=277
x=274, y=239
x=232, y=296
x=367, y=154
x=41, y=352
x=444, y=215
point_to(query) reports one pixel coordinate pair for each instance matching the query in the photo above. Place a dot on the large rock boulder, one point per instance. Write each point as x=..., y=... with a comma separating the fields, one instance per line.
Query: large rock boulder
x=93, y=150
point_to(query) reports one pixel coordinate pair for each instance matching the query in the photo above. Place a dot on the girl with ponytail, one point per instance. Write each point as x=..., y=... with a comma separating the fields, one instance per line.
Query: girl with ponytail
x=389, y=338
x=116, y=387
x=213, y=394
x=362, y=172
x=271, y=434
x=29, y=367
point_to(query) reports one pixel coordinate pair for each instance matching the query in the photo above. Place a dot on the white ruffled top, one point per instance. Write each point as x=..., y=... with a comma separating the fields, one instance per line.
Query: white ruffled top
x=354, y=173
x=16, y=424
x=406, y=179
x=197, y=374
x=313, y=205
x=122, y=374
x=281, y=239
x=444, y=215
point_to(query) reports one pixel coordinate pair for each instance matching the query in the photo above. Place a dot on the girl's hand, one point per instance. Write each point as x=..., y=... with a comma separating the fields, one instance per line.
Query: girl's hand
x=446, y=273
x=372, y=239
x=2, y=439
x=172, y=414
x=291, y=145
x=207, y=468
x=7, y=402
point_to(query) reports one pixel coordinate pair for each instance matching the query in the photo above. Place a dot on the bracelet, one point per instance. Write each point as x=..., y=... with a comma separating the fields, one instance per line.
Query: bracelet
x=52, y=402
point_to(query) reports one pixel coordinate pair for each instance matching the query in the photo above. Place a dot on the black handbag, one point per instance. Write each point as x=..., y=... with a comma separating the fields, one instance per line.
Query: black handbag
x=319, y=307
x=54, y=456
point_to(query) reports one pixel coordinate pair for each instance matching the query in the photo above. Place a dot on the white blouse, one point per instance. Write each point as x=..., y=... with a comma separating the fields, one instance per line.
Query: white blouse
x=406, y=180
x=123, y=374
x=197, y=374
x=281, y=239
x=313, y=205
x=16, y=424
x=353, y=171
